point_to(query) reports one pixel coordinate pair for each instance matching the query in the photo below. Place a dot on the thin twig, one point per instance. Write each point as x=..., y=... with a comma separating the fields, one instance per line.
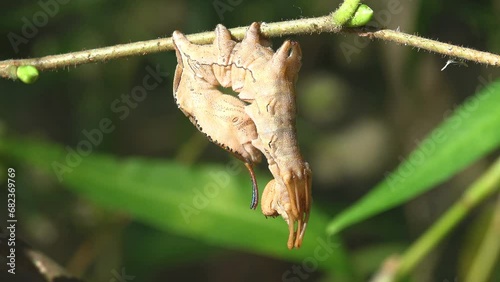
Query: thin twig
x=8, y=68
x=436, y=46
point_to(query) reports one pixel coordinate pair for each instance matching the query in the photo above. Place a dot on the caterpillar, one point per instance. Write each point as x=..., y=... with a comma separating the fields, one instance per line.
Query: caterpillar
x=220, y=117
x=261, y=120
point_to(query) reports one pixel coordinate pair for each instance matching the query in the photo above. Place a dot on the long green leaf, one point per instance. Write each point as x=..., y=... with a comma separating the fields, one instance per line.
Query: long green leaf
x=469, y=133
x=206, y=203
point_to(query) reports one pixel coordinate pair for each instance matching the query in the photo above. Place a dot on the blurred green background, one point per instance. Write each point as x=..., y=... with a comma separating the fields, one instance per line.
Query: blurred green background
x=363, y=107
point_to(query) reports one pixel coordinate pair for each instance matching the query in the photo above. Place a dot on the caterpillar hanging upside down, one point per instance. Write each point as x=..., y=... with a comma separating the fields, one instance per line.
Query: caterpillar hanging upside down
x=262, y=120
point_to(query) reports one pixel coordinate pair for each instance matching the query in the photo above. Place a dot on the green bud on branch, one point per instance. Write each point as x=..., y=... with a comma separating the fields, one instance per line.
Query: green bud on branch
x=361, y=17
x=27, y=74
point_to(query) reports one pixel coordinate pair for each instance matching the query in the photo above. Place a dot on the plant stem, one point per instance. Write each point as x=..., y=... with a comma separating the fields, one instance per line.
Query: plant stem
x=8, y=68
x=437, y=47
x=485, y=186
x=483, y=263
x=344, y=12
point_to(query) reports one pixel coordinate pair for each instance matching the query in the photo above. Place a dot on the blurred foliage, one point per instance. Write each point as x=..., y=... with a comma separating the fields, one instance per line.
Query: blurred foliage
x=361, y=113
x=469, y=134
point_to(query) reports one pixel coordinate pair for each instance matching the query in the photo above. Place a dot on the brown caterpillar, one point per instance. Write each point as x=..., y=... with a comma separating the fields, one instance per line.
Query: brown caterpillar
x=265, y=80
x=219, y=116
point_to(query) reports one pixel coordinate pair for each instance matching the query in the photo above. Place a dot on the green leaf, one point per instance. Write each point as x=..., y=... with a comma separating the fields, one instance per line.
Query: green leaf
x=471, y=132
x=205, y=203
x=144, y=260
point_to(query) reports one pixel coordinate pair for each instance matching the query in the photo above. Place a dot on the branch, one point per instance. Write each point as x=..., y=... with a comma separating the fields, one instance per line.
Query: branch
x=330, y=23
x=455, y=51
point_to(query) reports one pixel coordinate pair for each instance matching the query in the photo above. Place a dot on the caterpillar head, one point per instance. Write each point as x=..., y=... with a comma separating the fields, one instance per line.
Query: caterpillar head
x=278, y=199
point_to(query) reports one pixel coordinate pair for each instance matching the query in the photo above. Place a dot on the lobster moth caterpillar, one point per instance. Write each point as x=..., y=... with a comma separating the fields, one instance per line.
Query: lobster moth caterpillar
x=262, y=120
